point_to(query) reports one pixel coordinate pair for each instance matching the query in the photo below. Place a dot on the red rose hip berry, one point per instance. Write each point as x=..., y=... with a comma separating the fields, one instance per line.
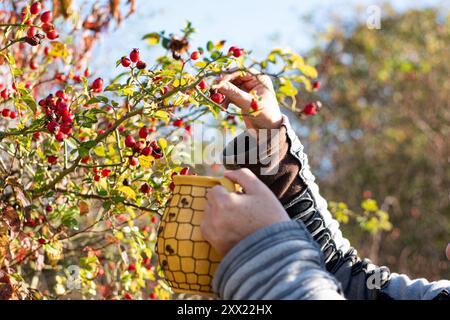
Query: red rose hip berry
x=178, y=123
x=134, y=161
x=146, y=151
x=35, y=8
x=134, y=55
x=254, y=105
x=52, y=159
x=53, y=127
x=6, y=94
x=125, y=62
x=31, y=32
x=237, y=52
x=145, y=188
x=195, y=55
x=46, y=17
x=105, y=172
x=217, y=97
x=143, y=132
x=141, y=65
x=13, y=115
x=52, y=34
x=97, y=84
x=202, y=85
x=310, y=109
x=184, y=171
x=6, y=112
x=129, y=141
x=316, y=85
x=60, y=136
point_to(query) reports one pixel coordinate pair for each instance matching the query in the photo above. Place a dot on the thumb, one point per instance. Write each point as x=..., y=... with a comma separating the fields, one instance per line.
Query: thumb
x=245, y=178
x=239, y=97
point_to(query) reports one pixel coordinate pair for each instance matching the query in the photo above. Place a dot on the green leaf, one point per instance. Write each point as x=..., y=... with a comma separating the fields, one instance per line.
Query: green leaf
x=114, y=87
x=98, y=99
x=28, y=99
x=165, y=43
x=209, y=46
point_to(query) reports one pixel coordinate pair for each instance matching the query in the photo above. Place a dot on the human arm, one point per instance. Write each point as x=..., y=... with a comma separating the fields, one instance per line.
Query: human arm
x=294, y=185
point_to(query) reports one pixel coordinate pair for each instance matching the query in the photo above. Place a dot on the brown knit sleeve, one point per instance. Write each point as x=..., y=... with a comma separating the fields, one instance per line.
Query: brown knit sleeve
x=269, y=159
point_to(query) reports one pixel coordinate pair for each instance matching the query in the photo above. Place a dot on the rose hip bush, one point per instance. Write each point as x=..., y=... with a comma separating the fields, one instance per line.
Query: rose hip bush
x=85, y=161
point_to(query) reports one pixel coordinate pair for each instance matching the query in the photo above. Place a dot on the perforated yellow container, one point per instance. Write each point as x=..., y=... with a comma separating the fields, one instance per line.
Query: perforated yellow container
x=186, y=258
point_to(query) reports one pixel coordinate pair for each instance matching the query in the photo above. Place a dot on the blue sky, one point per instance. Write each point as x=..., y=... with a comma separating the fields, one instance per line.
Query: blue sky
x=256, y=24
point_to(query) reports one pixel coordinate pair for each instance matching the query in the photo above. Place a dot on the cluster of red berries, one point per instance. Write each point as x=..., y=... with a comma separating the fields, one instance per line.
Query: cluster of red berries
x=9, y=114
x=60, y=118
x=33, y=36
x=30, y=222
x=134, y=57
x=145, y=148
x=98, y=174
x=236, y=52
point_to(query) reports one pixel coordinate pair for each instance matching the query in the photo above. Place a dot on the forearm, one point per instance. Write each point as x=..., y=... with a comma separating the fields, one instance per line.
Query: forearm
x=291, y=180
x=278, y=262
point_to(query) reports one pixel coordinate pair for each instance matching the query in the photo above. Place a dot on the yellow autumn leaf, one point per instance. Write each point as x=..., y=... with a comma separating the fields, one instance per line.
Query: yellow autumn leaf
x=146, y=161
x=179, y=100
x=152, y=38
x=111, y=151
x=131, y=212
x=162, y=143
x=308, y=70
x=100, y=151
x=128, y=192
x=200, y=64
x=194, y=101
x=297, y=61
x=127, y=91
x=103, y=184
x=59, y=50
x=177, y=82
x=161, y=114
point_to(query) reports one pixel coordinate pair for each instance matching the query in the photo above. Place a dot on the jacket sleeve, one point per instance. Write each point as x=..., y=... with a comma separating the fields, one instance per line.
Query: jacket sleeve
x=283, y=166
x=277, y=262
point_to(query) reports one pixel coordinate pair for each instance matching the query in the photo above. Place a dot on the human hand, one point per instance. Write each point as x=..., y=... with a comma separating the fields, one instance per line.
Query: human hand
x=237, y=88
x=230, y=217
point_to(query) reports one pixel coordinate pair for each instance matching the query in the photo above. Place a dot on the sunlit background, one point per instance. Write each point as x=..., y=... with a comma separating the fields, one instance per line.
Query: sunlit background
x=254, y=24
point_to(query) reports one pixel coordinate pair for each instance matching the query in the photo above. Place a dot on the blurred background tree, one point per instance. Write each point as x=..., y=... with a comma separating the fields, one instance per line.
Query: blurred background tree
x=384, y=133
